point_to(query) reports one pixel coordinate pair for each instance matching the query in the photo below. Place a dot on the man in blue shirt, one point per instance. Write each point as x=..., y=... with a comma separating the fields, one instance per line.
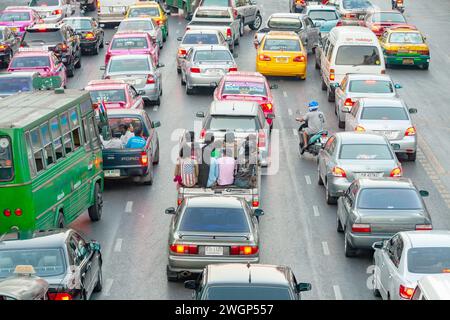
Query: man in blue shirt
x=136, y=142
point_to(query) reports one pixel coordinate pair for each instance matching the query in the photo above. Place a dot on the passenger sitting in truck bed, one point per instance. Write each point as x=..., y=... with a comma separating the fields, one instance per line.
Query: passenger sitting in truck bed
x=246, y=169
x=227, y=166
x=137, y=141
x=126, y=132
x=187, y=167
x=205, y=160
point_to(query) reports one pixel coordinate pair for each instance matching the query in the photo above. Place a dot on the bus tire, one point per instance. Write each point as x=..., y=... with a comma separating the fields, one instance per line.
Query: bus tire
x=95, y=211
x=60, y=223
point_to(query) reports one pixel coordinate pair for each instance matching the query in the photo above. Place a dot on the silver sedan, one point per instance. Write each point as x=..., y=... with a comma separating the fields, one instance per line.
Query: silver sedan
x=204, y=66
x=145, y=25
x=405, y=258
x=139, y=71
x=351, y=155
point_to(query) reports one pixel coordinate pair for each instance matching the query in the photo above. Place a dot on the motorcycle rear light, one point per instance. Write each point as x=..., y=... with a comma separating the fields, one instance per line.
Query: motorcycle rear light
x=2, y=47
x=150, y=79
x=60, y=296
x=338, y=172
x=243, y=250
x=264, y=57
x=411, y=131
x=144, y=158
x=7, y=213
x=229, y=33
x=89, y=36
x=396, y=172
x=348, y=102
x=18, y=212
x=405, y=292
x=255, y=203
x=267, y=107
x=360, y=129
x=63, y=47
x=56, y=12
x=299, y=59
x=195, y=70
x=332, y=76
x=184, y=249
x=421, y=227
x=361, y=228
x=182, y=52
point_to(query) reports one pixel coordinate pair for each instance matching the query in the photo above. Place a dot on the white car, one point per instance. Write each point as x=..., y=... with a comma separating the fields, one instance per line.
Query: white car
x=144, y=25
x=404, y=259
x=53, y=11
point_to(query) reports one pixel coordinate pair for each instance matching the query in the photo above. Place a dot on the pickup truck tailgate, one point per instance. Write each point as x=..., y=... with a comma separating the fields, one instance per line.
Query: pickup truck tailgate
x=124, y=162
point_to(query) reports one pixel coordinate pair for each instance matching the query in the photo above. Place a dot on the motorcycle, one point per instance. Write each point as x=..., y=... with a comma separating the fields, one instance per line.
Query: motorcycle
x=315, y=142
x=398, y=4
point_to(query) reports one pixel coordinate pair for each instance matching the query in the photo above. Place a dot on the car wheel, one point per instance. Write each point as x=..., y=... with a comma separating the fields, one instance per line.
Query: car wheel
x=182, y=79
x=147, y=179
x=375, y=290
x=317, y=65
x=241, y=28
x=339, y=225
x=156, y=158
x=70, y=71
x=78, y=64
x=238, y=39
x=319, y=179
x=412, y=156
x=330, y=199
x=348, y=249
x=102, y=44
x=341, y=124
x=189, y=91
x=330, y=95
x=232, y=48
x=324, y=85
x=96, y=50
x=99, y=286
x=171, y=276
x=425, y=66
x=257, y=23
x=95, y=211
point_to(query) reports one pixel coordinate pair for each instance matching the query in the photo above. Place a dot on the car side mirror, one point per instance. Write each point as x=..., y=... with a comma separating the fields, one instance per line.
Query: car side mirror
x=303, y=286
x=258, y=212
x=235, y=55
x=378, y=245
x=395, y=146
x=397, y=86
x=156, y=124
x=335, y=85
x=412, y=110
x=106, y=43
x=141, y=92
x=270, y=116
x=167, y=11
x=170, y=210
x=103, y=68
x=179, y=38
x=94, y=245
x=160, y=65
x=424, y=193
x=200, y=114
x=190, y=284
x=273, y=86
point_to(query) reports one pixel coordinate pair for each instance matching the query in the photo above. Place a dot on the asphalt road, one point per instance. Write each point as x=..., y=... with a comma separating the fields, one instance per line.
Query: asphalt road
x=299, y=228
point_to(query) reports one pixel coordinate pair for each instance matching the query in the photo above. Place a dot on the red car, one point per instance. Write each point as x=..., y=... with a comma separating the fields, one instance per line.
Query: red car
x=19, y=18
x=380, y=20
x=250, y=86
x=132, y=43
x=116, y=94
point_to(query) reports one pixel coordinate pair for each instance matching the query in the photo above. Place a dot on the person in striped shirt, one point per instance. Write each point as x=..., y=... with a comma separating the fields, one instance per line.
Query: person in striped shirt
x=187, y=167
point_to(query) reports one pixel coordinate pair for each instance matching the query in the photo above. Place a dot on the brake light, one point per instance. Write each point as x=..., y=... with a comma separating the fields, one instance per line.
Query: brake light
x=421, y=227
x=338, y=172
x=2, y=47
x=18, y=212
x=184, y=249
x=255, y=203
x=261, y=139
x=243, y=250
x=150, y=79
x=396, y=172
x=390, y=51
x=203, y=133
x=182, y=52
x=159, y=22
x=264, y=57
x=339, y=23
x=42, y=29
x=376, y=28
x=411, y=131
x=7, y=212
x=405, y=292
x=348, y=102
x=361, y=228
x=299, y=59
x=60, y=296
x=89, y=36
x=195, y=70
x=423, y=52
x=360, y=129
x=56, y=12
x=267, y=107
x=228, y=33
x=332, y=76
x=232, y=69
x=144, y=158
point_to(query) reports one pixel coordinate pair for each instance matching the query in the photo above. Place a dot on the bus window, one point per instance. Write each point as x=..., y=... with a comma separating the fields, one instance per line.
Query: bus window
x=67, y=137
x=37, y=150
x=87, y=140
x=31, y=163
x=57, y=139
x=75, y=126
x=6, y=160
x=93, y=131
x=47, y=142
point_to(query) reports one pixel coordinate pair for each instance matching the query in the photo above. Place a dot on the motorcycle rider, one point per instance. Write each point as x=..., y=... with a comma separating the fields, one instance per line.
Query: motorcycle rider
x=314, y=121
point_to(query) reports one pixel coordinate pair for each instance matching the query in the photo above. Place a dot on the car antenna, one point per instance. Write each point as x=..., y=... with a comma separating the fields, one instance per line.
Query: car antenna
x=249, y=273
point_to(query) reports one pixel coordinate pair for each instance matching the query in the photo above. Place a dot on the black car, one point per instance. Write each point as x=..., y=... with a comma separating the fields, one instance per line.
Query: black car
x=59, y=38
x=91, y=35
x=71, y=265
x=9, y=44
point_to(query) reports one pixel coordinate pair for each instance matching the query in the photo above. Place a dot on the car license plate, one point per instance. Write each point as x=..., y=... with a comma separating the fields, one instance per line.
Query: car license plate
x=118, y=9
x=283, y=60
x=361, y=16
x=360, y=175
x=214, y=71
x=408, y=61
x=112, y=173
x=214, y=251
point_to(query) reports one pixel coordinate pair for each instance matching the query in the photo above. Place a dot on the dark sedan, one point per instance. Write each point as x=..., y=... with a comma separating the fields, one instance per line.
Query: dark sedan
x=9, y=44
x=91, y=35
x=71, y=265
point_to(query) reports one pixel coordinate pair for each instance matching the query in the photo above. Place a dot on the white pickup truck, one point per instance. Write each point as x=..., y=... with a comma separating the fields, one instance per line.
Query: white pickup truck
x=217, y=18
x=113, y=11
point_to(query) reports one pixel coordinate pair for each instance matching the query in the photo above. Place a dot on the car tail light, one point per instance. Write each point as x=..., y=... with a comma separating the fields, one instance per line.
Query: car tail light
x=2, y=47
x=159, y=22
x=144, y=158
x=261, y=139
x=60, y=296
x=421, y=227
x=89, y=36
x=202, y=133
x=228, y=33
x=264, y=57
x=338, y=172
x=195, y=70
x=332, y=76
x=7, y=213
x=267, y=107
x=150, y=79
x=361, y=228
x=390, y=51
x=63, y=47
x=411, y=131
x=424, y=52
x=339, y=23
x=299, y=59
x=184, y=249
x=255, y=203
x=56, y=12
x=360, y=129
x=405, y=292
x=182, y=52
x=396, y=172
x=18, y=212
x=232, y=69
x=243, y=250
x=348, y=102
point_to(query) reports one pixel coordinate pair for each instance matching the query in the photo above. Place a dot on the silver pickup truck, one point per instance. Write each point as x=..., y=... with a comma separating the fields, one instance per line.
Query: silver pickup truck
x=217, y=18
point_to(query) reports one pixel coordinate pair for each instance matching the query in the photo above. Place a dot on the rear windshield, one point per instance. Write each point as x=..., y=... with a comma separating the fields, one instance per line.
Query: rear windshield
x=371, y=86
x=281, y=45
x=113, y=95
x=135, y=26
x=388, y=17
x=246, y=292
x=214, y=3
x=365, y=152
x=30, y=62
x=429, y=260
x=15, y=16
x=131, y=122
x=38, y=38
x=79, y=24
x=6, y=162
x=213, y=55
x=144, y=11
x=128, y=65
x=44, y=3
x=384, y=113
x=200, y=39
x=244, y=87
x=15, y=84
x=358, y=55
x=356, y=4
x=225, y=123
x=284, y=23
x=213, y=14
x=406, y=37
x=129, y=43
x=46, y=262
x=214, y=220
x=389, y=199
x=326, y=15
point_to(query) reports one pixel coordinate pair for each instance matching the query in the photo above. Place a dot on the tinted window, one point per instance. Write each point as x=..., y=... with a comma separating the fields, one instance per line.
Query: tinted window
x=389, y=199
x=112, y=95
x=129, y=43
x=384, y=113
x=365, y=152
x=247, y=293
x=213, y=14
x=225, y=123
x=144, y=11
x=429, y=260
x=244, y=87
x=197, y=219
x=356, y=4
x=133, y=123
x=128, y=65
x=15, y=84
x=281, y=45
x=38, y=38
x=213, y=55
x=30, y=62
x=388, y=17
x=326, y=15
x=405, y=37
x=284, y=23
x=214, y=3
x=79, y=24
x=135, y=26
x=192, y=38
x=15, y=16
x=6, y=160
x=370, y=86
x=358, y=55
x=44, y=3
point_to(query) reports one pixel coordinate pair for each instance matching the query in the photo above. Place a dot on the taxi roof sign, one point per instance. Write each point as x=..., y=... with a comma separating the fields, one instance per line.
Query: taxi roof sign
x=41, y=83
x=24, y=270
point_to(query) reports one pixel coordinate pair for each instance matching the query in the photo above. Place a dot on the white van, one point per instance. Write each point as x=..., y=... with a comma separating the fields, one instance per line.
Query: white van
x=113, y=11
x=349, y=50
x=433, y=287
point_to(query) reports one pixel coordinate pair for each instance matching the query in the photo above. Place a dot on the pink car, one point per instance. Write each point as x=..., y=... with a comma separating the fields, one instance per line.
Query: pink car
x=116, y=94
x=44, y=62
x=132, y=43
x=19, y=18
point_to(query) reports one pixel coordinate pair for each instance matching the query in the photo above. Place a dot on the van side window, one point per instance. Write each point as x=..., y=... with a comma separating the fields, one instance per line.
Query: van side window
x=30, y=157
x=38, y=151
x=56, y=137
x=75, y=128
x=330, y=52
x=325, y=46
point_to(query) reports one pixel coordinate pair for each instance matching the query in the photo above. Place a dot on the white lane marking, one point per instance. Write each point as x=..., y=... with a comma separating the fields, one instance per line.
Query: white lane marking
x=337, y=292
x=155, y=108
x=290, y=111
x=118, y=246
x=129, y=207
x=107, y=287
x=308, y=179
x=326, y=250
x=316, y=211
x=285, y=94
x=295, y=131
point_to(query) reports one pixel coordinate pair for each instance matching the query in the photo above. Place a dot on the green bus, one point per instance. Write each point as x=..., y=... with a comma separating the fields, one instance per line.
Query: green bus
x=50, y=160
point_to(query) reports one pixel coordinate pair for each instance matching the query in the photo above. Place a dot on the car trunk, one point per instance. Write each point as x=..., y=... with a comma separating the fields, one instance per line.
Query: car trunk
x=392, y=130
x=213, y=68
x=391, y=221
x=355, y=169
x=138, y=80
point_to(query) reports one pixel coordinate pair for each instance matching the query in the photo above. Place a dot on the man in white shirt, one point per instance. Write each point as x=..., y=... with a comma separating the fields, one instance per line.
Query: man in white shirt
x=127, y=133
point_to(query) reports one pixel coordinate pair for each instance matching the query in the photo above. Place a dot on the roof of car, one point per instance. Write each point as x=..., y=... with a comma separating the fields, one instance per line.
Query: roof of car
x=32, y=52
x=386, y=182
x=130, y=56
x=39, y=239
x=23, y=287
x=127, y=34
x=320, y=7
x=349, y=137
x=145, y=4
x=382, y=102
x=115, y=112
x=245, y=75
x=46, y=26
x=431, y=238
x=210, y=47
x=282, y=35
x=138, y=19
x=202, y=8
x=18, y=8
x=105, y=84
x=353, y=30
x=436, y=286
x=17, y=74
x=242, y=273
x=368, y=76
x=78, y=18
x=234, y=108
x=403, y=28
x=205, y=31
x=214, y=201
x=287, y=15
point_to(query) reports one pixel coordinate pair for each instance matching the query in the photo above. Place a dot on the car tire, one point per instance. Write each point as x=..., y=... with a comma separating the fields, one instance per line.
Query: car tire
x=237, y=41
x=147, y=179
x=178, y=70
x=171, y=276
x=257, y=23
x=95, y=211
x=329, y=198
x=232, y=48
x=317, y=65
x=324, y=85
x=388, y=66
x=425, y=66
x=339, y=225
x=156, y=158
x=375, y=291
x=412, y=156
x=70, y=71
x=78, y=64
x=341, y=124
x=182, y=80
x=96, y=50
x=102, y=44
x=319, y=179
x=99, y=285
x=349, y=251
x=241, y=28
x=189, y=91
x=330, y=95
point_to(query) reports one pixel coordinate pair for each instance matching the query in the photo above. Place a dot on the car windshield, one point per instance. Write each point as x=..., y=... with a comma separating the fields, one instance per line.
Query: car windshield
x=109, y=95
x=135, y=26
x=384, y=113
x=327, y=15
x=132, y=122
x=199, y=219
x=38, y=38
x=213, y=55
x=199, y=38
x=215, y=3
x=365, y=152
x=245, y=87
x=79, y=24
x=129, y=43
x=281, y=45
x=128, y=65
x=284, y=23
x=144, y=11
x=389, y=199
x=31, y=62
x=11, y=16
x=388, y=17
x=6, y=162
x=356, y=4
x=9, y=85
x=46, y=262
x=371, y=86
x=406, y=37
x=226, y=123
x=214, y=14
x=247, y=292
x=429, y=260
x=44, y=3
x=358, y=55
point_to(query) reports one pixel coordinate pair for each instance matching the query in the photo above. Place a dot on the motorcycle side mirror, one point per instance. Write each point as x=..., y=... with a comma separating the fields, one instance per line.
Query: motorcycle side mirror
x=397, y=86
x=102, y=25
x=412, y=110
x=274, y=86
x=424, y=193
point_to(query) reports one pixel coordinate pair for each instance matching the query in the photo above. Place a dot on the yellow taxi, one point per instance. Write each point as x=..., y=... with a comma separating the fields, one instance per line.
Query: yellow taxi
x=405, y=45
x=153, y=10
x=281, y=53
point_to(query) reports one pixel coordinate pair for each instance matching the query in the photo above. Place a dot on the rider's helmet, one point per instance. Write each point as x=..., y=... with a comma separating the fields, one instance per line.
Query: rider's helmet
x=313, y=105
